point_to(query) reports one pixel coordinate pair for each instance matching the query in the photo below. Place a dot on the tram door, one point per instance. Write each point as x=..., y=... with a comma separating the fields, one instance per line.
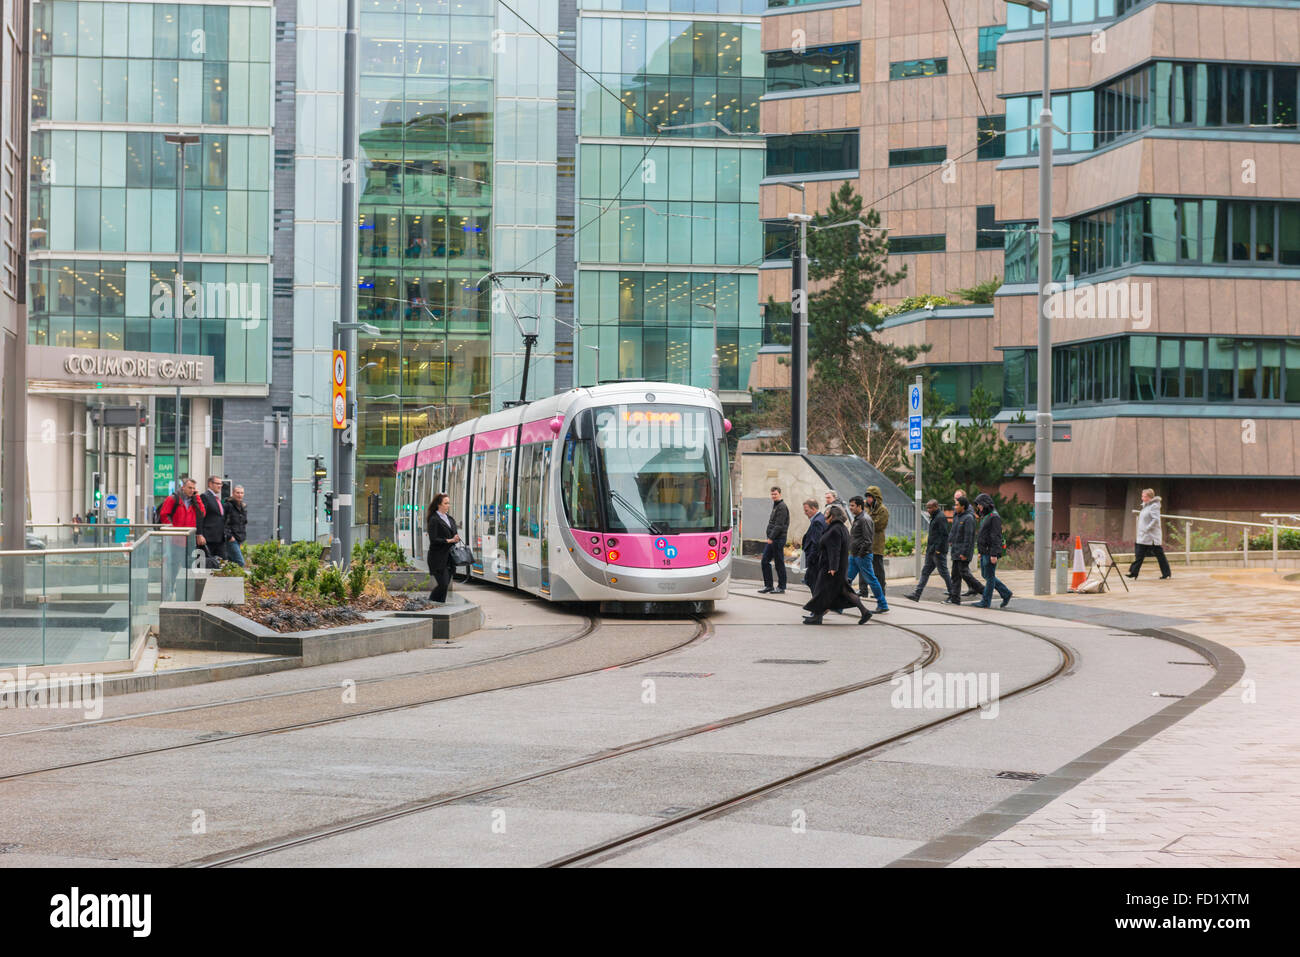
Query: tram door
x=528, y=530
x=482, y=511
x=502, y=510
x=543, y=515
x=419, y=546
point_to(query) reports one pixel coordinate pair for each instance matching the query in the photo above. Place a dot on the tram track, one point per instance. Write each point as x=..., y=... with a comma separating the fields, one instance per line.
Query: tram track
x=628, y=841
x=702, y=632
x=930, y=653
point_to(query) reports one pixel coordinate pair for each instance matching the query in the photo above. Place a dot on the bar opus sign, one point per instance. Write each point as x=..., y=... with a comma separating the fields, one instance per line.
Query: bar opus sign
x=116, y=367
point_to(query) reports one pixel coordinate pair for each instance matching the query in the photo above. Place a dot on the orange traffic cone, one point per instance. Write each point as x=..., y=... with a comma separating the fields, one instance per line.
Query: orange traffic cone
x=1078, y=574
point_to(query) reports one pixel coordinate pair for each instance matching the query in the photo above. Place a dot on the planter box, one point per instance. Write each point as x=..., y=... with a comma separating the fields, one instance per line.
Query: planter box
x=214, y=628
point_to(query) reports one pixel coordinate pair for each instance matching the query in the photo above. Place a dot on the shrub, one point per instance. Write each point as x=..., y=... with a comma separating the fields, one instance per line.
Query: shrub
x=898, y=545
x=1288, y=538
x=330, y=586
x=358, y=576
x=380, y=553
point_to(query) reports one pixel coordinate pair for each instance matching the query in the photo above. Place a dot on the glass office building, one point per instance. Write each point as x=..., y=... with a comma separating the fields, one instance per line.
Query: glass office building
x=669, y=239
x=108, y=81
x=426, y=125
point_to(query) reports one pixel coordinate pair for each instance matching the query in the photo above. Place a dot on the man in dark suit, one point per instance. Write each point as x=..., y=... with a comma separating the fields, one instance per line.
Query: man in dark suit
x=212, y=527
x=812, y=552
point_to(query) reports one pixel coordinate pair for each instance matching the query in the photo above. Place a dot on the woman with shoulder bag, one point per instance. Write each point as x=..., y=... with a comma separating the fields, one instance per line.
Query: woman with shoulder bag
x=443, y=534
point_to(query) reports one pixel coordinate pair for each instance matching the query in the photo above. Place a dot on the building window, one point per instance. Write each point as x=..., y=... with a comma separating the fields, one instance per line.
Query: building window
x=910, y=68
x=990, y=133
x=988, y=235
x=923, y=156
x=1168, y=369
x=1071, y=11
x=813, y=68
x=903, y=245
x=955, y=383
x=988, y=46
x=779, y=239
x=812, y=153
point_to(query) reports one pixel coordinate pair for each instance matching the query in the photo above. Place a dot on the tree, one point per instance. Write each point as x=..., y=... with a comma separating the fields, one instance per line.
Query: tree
x=975, y=458
x=854, y=264
x=980, y=294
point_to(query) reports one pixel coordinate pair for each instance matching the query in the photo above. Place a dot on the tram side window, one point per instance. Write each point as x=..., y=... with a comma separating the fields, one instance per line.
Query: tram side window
x=526, y=517
x=403, y=501
x=578, y=476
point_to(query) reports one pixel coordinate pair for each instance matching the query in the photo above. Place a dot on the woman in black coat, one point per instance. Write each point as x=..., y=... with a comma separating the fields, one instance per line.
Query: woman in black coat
x=443, y=534
x=833, y=590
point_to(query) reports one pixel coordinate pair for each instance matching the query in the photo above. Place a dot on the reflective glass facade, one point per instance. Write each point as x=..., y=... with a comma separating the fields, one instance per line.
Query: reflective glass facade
x=674, y=222
x=108, y=79
x=425, y=183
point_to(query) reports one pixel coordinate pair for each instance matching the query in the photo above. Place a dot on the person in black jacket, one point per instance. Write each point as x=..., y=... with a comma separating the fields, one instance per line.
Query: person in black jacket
x=778, y=526
x=832, y=591
x=236, y=525
x=212, y=526
x=989, y=543
x=811, y=543
x=936, y=551
x=443, y=534
x=962, y=548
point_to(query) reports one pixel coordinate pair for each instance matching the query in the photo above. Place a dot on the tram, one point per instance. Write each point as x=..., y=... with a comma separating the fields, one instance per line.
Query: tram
x=618, y=494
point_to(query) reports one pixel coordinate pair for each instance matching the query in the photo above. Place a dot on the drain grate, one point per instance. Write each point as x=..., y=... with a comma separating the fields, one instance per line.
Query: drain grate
x=1203, y=664
x=791, y=661
x=1162, y=694
x=1018, y=775
x=678, y=674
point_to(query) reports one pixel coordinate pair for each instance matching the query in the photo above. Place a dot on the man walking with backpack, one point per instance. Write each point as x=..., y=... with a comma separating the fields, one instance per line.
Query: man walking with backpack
x=991, y=549
x=182, y=509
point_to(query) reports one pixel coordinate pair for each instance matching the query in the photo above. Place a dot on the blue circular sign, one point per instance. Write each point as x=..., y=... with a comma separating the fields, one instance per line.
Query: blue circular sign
x=670, y=552
x=110, y=501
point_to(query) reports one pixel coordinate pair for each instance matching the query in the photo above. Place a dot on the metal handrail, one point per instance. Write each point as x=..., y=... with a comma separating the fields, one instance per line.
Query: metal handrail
x=1245, y=527
x=114, y=549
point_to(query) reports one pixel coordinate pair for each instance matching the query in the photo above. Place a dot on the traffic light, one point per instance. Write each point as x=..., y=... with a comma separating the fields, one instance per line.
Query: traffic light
x=329, y=506
x=99, y=490
x=374, y=508
x=318, y=476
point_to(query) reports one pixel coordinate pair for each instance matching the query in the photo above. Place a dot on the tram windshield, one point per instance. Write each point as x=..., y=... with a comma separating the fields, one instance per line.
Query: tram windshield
x=660, y=466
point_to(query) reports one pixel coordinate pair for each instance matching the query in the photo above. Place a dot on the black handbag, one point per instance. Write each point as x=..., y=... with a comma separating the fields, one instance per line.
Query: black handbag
x=461, y=554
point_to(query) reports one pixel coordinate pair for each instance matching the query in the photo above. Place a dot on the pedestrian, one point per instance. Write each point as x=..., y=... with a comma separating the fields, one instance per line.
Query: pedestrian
x=832, y=591
x=862, y=538
x=778, y=527
x=1150, y=535
x=212, y=528
x=182, y=509
x=236, y=525
x=76, y=529
x=879, y=518
x=442, y=533
x=962, y=548
x=833, y=498
x=974, y=587
x=936, y=551
x=811, y=542
x=991, y=548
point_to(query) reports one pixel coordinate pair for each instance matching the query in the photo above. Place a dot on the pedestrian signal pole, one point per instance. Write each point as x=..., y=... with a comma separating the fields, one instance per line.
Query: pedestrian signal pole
x=914, y=446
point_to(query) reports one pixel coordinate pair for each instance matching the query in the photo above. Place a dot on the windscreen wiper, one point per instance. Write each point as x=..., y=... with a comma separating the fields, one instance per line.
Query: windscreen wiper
x=654, y=527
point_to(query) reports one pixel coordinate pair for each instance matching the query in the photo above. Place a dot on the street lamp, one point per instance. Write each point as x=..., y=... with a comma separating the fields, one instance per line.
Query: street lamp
x=180, y=140
x=1043, y=418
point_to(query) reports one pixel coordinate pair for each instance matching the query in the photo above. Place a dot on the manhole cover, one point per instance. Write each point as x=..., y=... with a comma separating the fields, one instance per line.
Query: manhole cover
x=679, y=674
x=791, y=661
x=1019, y=775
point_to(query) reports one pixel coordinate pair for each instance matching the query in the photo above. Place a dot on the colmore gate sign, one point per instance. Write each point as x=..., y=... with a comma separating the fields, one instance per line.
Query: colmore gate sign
x=112, y=366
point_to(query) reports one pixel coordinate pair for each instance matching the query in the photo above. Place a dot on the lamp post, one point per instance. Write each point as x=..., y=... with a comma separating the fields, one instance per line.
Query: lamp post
x=180, y=140
x=1043, y=418
x=799, y=331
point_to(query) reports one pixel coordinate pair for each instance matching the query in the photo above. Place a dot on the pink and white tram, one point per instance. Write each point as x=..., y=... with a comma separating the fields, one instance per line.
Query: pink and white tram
x=618, y=494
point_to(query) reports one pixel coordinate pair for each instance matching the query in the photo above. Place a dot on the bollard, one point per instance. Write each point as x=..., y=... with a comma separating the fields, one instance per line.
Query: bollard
x=1245, y=547
x=1062, y=572
x=1274, y=546
x=1187, y=543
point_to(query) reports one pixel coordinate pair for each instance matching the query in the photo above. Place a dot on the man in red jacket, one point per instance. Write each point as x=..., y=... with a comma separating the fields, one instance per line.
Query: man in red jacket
x=183, y=511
